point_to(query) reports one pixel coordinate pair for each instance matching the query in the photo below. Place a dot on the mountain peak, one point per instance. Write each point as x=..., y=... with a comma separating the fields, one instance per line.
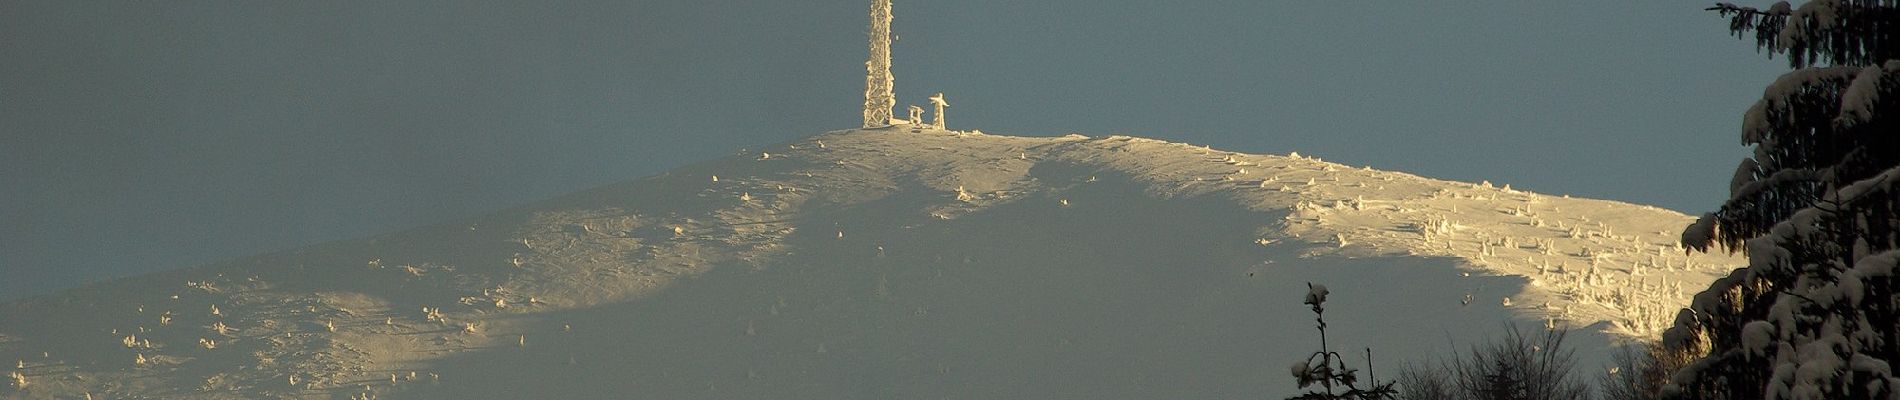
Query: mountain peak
x=889, y=262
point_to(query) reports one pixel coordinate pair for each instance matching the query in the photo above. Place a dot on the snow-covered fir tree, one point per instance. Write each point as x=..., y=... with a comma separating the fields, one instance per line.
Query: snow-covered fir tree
x=1815, y=314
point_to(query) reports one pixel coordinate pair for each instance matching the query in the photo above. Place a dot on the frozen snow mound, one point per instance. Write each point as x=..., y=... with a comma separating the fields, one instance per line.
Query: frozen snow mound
x=879, y=263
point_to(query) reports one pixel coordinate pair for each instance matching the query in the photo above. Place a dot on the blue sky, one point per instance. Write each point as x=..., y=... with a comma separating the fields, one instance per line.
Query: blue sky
x=145, y=136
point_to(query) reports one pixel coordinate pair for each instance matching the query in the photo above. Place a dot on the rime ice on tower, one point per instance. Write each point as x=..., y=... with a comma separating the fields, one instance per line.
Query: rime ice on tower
x=879, y=96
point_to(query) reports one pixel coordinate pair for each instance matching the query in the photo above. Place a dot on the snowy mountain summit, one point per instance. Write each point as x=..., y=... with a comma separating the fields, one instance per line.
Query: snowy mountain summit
x=884, y=263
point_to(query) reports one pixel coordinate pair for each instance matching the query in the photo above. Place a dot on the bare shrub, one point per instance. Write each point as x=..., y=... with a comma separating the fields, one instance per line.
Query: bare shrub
x=1517, y=366
x=1640, y=372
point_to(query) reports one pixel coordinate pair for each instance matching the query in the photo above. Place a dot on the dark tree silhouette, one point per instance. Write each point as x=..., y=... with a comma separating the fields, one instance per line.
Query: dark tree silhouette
x=1327, y=368
x=1517, y=366
x=1640, y=372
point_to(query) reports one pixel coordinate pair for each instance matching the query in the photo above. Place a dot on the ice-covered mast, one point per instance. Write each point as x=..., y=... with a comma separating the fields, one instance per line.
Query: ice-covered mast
x=879, y=96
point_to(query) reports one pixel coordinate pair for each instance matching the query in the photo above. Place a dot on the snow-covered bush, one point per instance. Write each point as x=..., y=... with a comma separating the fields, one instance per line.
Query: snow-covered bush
x=1815, y=314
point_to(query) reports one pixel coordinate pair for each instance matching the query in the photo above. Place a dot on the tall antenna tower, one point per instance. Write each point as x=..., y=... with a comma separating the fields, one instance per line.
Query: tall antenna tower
x=879, y=96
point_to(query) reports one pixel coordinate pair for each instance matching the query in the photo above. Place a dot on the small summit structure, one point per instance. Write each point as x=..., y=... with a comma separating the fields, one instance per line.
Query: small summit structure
x=938, y=101
x=880, y=93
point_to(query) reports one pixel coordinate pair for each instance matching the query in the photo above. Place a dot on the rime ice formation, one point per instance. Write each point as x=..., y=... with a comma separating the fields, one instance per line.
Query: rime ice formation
x=880, y=96
x=937, y=101
x=861, y=264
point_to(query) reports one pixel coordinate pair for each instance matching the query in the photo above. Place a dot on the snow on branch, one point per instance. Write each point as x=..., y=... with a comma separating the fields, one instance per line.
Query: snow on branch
x=1819, y=32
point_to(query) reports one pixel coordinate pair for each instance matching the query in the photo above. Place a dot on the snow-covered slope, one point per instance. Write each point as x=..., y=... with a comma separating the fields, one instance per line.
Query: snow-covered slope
x=885, y=263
